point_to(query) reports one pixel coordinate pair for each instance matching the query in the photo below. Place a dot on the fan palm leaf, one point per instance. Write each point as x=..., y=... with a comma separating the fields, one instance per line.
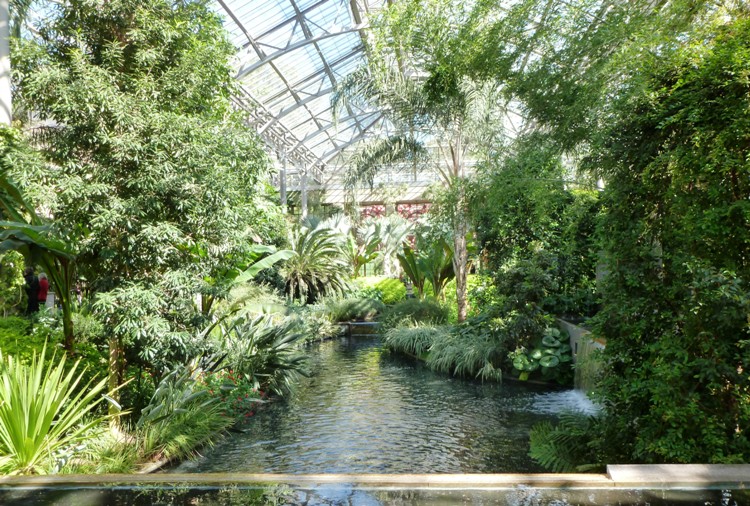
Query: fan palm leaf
x=318, y=268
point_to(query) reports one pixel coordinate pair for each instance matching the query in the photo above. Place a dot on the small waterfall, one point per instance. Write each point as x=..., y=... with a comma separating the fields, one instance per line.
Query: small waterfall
x=586, y=350
x=554, y=403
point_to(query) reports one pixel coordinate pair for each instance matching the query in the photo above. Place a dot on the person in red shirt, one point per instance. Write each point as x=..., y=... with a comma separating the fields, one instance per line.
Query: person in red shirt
x=43, y=288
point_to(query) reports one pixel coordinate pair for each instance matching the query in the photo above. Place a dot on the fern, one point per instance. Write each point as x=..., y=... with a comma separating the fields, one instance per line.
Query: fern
x=565, y=447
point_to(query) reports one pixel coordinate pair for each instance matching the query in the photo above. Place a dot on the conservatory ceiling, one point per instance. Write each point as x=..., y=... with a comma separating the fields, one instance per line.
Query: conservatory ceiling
x=291, y=54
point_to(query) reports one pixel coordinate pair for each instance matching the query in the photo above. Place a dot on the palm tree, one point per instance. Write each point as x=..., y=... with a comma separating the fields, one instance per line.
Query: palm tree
x=318, y=268
x=441, y=106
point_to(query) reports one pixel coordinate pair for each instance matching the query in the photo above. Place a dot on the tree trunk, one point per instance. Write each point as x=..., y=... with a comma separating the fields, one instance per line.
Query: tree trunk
x=115, y=377
x=6, y=109
x=460, y=229
x=460, y=264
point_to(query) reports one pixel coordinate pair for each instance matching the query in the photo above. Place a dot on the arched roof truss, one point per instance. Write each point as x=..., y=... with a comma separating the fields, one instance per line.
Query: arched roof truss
x=291, y=55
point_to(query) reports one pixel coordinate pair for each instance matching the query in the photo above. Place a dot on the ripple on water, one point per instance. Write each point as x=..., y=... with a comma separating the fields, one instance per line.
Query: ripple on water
x=366, y=411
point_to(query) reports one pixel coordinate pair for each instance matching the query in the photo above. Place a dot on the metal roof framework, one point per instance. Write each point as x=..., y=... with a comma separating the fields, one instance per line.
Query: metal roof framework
x=290, y=56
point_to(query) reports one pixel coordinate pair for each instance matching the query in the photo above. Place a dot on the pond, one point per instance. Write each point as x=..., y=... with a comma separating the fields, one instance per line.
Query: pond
x=366, y=410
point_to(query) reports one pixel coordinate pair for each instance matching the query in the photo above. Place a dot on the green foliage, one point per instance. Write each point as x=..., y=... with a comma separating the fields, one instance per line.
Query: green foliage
x=266, y=352
x=44, y=408
x=567, y=447
x=15, y=338
x=524, y=213
x=318, y=268
x=523, y=285
x=143, y=188
x=481, y=296
x=11, y=282
x=675, y=156
x=412, y=311
x=156, y=332
x=359, y=309
x=16, y=160
x=88, y=329
x=551, y=355
x=393, y=290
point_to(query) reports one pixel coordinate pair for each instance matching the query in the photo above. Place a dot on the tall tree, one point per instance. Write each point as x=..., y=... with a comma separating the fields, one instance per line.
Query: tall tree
x=418, y=74
x=155, y=178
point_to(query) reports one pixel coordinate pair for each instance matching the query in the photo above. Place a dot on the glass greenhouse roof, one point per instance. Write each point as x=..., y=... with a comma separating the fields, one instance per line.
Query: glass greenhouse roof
x=290, y=56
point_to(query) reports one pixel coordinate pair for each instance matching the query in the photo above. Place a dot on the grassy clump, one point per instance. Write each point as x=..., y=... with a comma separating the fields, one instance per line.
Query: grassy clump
x=412, y=311
x=416, y=340
x=470, y=349
x=358, y=309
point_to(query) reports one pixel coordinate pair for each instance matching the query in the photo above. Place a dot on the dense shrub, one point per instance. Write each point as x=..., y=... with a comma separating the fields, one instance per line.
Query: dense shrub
x=360, y=309
x=393, y=290
x=11, y=283
x=479, y=292
x=676, y=236
x=524, y=214
x=19, y=339
x=412, y=311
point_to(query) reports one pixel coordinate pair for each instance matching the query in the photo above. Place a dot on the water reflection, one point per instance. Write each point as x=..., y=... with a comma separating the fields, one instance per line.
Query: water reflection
x=366, y=411
x=343, y=495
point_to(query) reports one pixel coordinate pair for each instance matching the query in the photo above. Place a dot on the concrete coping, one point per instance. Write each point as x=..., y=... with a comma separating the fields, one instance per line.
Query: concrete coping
x=623, y=476
x=686, y=475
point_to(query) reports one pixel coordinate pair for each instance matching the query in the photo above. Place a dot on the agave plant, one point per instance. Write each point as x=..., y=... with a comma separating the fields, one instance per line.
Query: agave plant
x=43, y=409
x=318, y=268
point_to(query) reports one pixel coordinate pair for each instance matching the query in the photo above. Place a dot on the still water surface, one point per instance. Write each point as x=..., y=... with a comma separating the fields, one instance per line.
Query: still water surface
x=366, y=410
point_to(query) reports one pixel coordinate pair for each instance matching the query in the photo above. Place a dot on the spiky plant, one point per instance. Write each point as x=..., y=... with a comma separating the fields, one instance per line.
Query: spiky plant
x=318, y=268
x=44, y=408
x=266, y=352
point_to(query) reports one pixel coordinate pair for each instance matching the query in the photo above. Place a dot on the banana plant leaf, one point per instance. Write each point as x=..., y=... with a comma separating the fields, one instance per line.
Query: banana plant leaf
x=410, y=264
x=264, y=263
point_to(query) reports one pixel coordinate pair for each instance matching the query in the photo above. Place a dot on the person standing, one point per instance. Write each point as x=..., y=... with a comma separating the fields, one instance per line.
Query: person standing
x=32, y=290
x=43, y=289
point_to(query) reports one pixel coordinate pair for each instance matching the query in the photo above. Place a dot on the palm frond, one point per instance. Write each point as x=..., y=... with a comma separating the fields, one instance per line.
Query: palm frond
x=381, y=152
